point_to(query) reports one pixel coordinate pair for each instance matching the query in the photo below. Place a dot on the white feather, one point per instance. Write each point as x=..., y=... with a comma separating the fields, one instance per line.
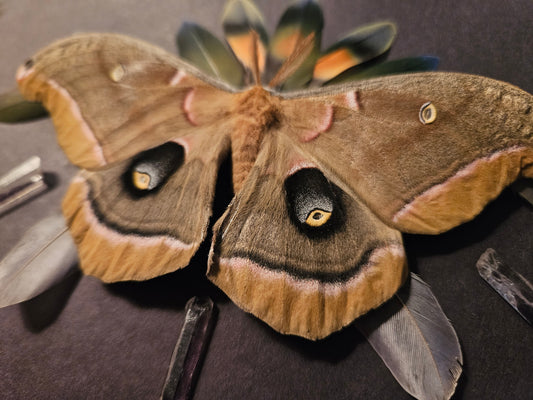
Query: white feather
x=43, y=257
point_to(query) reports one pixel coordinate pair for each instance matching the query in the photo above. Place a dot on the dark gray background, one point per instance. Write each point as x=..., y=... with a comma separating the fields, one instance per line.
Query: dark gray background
x=115, y=341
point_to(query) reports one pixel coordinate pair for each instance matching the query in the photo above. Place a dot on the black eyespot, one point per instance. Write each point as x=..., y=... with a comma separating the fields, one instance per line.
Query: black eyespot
x=314, y=203
x=150, y=169
x=29, y=63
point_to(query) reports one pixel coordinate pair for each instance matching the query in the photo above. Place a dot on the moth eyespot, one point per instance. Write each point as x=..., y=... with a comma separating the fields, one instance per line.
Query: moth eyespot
x=29, y=63
x=149, y=171
x=317, y=217
x=428, y=113
x=314, y=204
x=141, y=180
x=117, y=73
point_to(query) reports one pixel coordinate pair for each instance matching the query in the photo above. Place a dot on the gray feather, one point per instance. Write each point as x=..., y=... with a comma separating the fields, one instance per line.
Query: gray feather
x=416, y=341
x=43, y=257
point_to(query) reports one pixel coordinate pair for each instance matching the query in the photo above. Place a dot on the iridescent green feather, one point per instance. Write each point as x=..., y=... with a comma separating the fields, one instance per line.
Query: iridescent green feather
x=401, y=66
x=209, y=54
x=365, y=43
x=242, y=16
x=241, y=21
x=300, y=19
x=14, y=108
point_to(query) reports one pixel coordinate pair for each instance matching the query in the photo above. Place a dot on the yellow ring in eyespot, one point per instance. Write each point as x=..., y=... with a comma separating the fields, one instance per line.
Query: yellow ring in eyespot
x=141, y=180
x=317, y=217
x=117, y=73
x=428, y=113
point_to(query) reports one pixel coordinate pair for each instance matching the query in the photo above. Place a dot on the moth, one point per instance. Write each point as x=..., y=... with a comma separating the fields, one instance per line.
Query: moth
x=326, y=178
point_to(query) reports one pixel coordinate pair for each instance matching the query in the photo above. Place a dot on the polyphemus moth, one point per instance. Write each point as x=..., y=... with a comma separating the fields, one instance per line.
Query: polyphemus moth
x=325, y=178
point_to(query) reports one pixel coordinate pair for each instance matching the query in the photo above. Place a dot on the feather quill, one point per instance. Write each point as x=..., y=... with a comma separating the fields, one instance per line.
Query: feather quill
x=416, y=341
x=43, y=257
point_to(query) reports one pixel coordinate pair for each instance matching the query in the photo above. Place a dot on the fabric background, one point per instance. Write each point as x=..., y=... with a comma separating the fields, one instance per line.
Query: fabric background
x=115, y=341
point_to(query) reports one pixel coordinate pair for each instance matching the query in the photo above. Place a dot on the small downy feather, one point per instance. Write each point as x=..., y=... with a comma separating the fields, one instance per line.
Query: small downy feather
x=43, y=257
x=416, y=341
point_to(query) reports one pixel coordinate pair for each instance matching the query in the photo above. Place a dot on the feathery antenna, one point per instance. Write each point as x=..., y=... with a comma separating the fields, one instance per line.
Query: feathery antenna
x=255, y=58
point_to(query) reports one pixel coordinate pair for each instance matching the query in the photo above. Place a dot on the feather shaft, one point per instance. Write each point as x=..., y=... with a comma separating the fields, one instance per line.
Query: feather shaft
x=43, y=257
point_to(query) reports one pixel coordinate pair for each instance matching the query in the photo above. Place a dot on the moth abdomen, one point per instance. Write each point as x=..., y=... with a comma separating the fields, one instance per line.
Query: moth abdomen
x=149, y=170
x=258, y=112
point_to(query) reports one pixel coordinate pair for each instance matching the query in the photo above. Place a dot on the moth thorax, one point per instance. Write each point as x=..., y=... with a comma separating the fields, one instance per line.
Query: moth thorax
x=258, y=105
x=257, y=112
